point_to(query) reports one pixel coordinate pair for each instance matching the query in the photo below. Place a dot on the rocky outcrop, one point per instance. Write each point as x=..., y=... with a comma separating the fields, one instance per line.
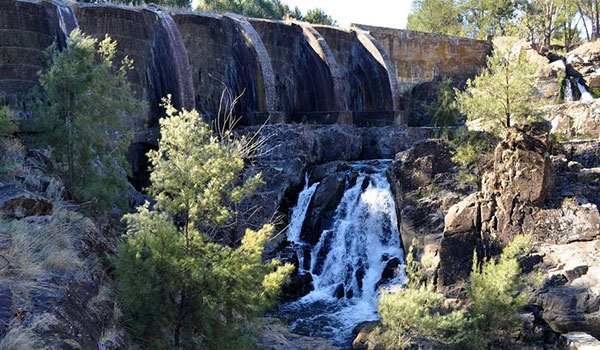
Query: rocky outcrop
x=570, y=295
x=53, y=294
x=578, y=341
x=16, y=202
x=274, y=335
x=521, y=180
x=423, y=182
x=288, y=151
x=580, y=119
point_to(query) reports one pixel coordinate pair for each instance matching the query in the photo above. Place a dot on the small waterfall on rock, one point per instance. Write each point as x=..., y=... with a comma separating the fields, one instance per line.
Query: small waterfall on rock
x=297, y=218
x=348, y=263
x=181, y=62
x=585, y=94
x=568, y=91
x=67, y=22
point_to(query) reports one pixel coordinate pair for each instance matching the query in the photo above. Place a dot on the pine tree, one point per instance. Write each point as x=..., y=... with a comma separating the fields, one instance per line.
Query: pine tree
x=178, y=287
x=435, y=16
x=85, y=114
x=502, y=94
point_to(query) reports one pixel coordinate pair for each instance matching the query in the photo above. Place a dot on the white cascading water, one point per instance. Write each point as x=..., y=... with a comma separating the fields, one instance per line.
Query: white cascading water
x=568, y=93
x=353, y=253
x=585, y=94
x=66, y=20
x=297, y=219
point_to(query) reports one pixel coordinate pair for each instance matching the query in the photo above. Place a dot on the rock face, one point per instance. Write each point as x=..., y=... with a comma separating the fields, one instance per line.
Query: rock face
x=290, y=150
x=570, y=296
x=52, y=295
x=580, y=119
x=423, y=183
x=16, y=202
x=522, y=179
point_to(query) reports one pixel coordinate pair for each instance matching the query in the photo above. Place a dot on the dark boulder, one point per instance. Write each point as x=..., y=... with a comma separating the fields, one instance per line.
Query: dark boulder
x=389, y=272
x=299, y=286
x=322, y=207
x=16, y=202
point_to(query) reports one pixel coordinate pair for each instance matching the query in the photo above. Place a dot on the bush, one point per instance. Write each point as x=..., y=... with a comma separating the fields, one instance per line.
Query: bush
x=11, y=149
x=489, y=313
x=85, y=114
x=178, y=287
x=473, y=152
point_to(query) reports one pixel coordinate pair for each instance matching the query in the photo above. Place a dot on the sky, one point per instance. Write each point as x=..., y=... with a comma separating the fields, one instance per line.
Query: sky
x=383, y=13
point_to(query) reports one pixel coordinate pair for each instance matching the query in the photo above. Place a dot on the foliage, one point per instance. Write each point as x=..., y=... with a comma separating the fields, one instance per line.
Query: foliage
x=270, y=9
x=435, y=16
x=445, y=111
x=179, y=288
x=11, y=149
x=491, y=310
x=495, y=293
x=502, y=94
x=473, y=152
x=85, y=114
x=318, y=16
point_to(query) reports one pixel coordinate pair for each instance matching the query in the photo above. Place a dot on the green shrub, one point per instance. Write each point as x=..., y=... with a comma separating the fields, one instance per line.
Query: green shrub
x=11, y=149
x=85, y=114
x=473, y=151
x=180, y=289
x=489, y=314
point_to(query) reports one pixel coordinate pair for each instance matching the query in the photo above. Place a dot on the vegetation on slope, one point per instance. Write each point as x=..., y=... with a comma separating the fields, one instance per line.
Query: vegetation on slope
x=488, y=314
x=179, y=288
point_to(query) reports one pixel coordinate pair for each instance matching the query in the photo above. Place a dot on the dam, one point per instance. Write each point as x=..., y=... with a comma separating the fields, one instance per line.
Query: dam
x=281, y=71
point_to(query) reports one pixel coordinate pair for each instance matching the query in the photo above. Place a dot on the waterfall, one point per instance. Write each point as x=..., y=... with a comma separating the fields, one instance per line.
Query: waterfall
x=67, y=22
x=348, y=261
x=585, y=94
x=297, y=218
x=183, y=72
x=568, y=92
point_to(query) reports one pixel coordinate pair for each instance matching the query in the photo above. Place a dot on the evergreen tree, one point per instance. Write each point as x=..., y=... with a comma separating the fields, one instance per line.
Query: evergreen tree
x=502, y=94
x=445, y=111
x=318, y=16
x=178, y=287
x=435, y=16
x=85, y=114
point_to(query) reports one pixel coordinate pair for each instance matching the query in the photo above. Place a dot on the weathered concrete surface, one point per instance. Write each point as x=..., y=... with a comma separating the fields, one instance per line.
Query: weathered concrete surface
x=154, y=44
x=422, y=57
x=367, y=85
x=225, y=65
x=26, y=30
x=284, y=71
x=303, y=80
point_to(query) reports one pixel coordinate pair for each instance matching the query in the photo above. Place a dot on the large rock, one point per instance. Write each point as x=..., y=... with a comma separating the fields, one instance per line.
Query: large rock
x=422, y=179
x=15, y=202
x=322, y=207
x=570, y=295
x=578, y=341
x=521, y=179
x=579, y=119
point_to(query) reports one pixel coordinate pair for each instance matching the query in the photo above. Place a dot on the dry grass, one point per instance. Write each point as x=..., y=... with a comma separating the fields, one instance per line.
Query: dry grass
x=34, y=248
x=19, y=338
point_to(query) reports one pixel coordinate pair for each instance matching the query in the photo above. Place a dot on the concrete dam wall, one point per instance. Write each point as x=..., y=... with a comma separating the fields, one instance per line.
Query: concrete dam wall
x=281, y=71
